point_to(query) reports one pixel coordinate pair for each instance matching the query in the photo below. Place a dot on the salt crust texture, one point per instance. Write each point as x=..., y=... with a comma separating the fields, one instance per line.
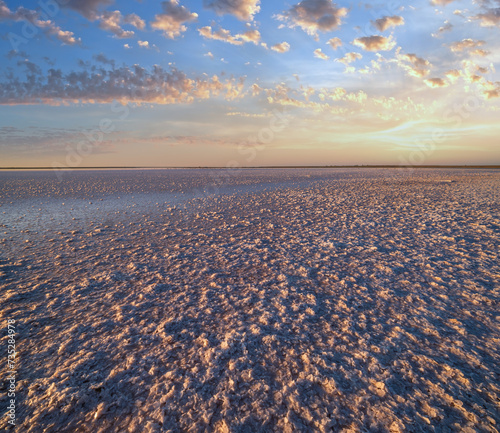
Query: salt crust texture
x=291, y=301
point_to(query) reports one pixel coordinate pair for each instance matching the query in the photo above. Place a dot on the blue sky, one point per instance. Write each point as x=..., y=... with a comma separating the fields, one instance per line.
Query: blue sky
x=244, y=82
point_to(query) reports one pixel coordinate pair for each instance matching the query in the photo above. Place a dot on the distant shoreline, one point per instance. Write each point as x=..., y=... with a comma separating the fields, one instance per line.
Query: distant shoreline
x=485, y=167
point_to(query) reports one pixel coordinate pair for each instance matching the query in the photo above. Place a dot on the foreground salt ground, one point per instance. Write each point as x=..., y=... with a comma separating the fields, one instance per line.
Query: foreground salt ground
x=337, y=301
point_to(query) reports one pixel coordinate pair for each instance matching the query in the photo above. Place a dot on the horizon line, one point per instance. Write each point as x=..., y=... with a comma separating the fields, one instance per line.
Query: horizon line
x=473, y=166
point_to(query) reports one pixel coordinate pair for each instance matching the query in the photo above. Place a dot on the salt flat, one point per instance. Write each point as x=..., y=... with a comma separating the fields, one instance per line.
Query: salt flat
x=259, y=301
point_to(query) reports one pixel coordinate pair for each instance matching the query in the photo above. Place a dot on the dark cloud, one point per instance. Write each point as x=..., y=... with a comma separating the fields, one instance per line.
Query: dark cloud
x=14, y=53
x=88, y=8
x=314, y=15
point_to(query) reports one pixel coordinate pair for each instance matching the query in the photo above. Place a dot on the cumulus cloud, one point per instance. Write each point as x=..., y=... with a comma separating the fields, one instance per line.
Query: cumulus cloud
x=219, y=35
x=318, y=53
x=171, y=21
x=48, y=27
x=452, y=75
x=490, y=17
x=250, y=36
x=384, y=23
x=375, y=43
x=441, y=2
x=281, y=48
x=244, y=10
x=4, y=10
x=349, y=58
x=225, y=35
x=111, y=21
x=491, y=89
x=335, y=43
x=101, y=58
x=479, y=52
x=436, y=82
x=314, y=15
x=134, y=20
x=414, y=66
x=470, y=72
x=465, y=45
x=87, y=8
x=124, y=84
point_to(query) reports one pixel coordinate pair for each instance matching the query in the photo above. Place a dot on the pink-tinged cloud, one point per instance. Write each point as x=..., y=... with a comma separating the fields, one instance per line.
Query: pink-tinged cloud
x=111, y=22
x=319, y=54
x=226, y=36
x=465, y=44
x=492, y=90
x=219, y=35
x=171, y=21
x=134, y=20
x=313, y=16
x=442, y=2
x=281, y=48
x=349, y=58
x=250, y=36
x=244, y=10
x=413, y=65
x=375, y=43
x=452, y=75
x=48, y=27
x=125, y=84
x=491, y=15
x=335, y=43
x=384, y=23
x=436, y=82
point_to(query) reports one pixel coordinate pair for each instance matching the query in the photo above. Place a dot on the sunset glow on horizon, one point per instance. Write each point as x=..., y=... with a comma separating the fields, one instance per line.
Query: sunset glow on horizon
x=248, y=83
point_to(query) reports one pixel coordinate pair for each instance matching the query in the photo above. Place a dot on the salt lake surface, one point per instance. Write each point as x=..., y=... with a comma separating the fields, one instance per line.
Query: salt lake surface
x=260, y=300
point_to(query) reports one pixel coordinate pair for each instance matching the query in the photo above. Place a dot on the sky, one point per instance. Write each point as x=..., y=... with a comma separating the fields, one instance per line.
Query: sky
x=235, y=83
